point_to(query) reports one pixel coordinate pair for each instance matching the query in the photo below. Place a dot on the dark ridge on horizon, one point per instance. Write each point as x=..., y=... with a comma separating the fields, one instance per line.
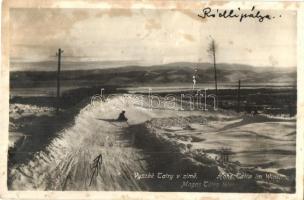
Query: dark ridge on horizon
x=172, y=73
x=93, y=65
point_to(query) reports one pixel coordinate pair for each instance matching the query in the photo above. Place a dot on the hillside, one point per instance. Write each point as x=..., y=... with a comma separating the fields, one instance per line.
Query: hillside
x=158, y=141
x=158, y=74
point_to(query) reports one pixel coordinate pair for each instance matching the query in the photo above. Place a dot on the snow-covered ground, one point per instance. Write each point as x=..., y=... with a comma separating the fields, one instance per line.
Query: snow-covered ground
x=67, y=162
x=18, y=111
x=254, y=140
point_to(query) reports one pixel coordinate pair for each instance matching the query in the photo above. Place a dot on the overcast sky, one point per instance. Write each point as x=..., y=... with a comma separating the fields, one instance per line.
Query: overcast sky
x=147, y=37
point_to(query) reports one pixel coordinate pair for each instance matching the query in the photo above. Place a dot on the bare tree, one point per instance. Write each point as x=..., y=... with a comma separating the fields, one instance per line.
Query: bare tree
x=212, y=52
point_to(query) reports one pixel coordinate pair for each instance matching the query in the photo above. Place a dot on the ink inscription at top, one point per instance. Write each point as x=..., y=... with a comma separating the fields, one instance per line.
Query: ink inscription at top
x=238, y=13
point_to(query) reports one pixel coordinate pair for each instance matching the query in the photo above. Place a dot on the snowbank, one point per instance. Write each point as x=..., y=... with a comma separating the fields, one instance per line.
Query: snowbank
x=195, y=137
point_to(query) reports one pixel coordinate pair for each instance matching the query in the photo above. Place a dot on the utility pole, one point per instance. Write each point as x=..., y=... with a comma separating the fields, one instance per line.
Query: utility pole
x=212, y=51
x=238, y=96
x=58, y=78
x=214, y=64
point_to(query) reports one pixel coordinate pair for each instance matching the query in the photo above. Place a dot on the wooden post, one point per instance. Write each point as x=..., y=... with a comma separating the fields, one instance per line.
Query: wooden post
x=238, y=96
x=214, y=65
x=212, y=51
x=58, y=78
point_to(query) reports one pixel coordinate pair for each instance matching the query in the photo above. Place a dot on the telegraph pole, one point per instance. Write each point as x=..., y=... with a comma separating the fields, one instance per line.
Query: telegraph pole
x=214, y=65
x=238, y=96
x=212, y=52
x=58, y=78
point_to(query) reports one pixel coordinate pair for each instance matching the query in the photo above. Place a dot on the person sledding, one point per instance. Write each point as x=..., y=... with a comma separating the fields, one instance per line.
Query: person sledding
x=122, y=117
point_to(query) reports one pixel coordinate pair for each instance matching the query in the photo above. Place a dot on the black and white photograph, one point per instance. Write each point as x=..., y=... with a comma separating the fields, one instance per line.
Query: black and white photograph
x=178, y=99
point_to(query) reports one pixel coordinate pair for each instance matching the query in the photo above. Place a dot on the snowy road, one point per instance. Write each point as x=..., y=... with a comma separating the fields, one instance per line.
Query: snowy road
x=99, y=154
x=68, y=162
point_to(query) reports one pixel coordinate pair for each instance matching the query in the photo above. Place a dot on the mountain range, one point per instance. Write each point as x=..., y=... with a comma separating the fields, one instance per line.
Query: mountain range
x=172, y=73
